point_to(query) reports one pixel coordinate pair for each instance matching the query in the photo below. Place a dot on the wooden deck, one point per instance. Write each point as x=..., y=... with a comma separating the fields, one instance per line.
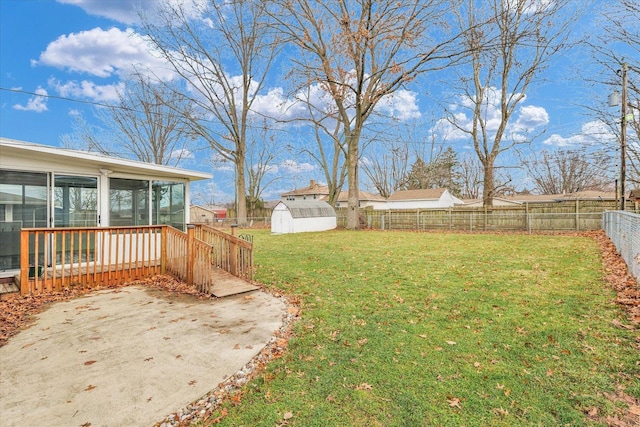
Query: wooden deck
x=223, y=284
x=226, y=284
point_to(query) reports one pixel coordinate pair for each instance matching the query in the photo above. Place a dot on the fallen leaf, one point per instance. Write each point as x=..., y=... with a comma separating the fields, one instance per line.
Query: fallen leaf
x=365, y=387
x=89, y=387
x=89, y=362
x=454, y=402
x=634, y=409
x=500, y=411
x=192, y=382
x=288, y=415
x=476, y=364
x=236, y=347
x=451, y=342
x=593, y=412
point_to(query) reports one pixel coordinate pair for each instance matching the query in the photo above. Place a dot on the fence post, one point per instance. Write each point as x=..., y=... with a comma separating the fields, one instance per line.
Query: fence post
x=190, y=252
x=234, y=251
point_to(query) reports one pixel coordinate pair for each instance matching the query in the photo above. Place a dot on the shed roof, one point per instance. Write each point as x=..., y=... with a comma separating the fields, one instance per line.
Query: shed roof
x=308, y=208
x=57, y=154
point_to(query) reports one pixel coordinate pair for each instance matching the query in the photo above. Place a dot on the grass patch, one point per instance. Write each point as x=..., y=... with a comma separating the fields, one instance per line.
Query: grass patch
x=402, y=328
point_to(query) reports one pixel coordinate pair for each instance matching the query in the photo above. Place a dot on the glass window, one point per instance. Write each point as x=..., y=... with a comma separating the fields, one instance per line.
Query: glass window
x=128, y=202
x=168, y=204
x=75, y=201
x=23, y=203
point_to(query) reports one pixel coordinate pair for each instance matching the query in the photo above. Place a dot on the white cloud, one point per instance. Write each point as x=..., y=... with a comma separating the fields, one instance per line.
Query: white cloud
x=292, y=166
x=526, y=119
x=128, y=11
x=104, y=53
x=87, y=89
x=401, y=105
x=37, y=103
x=181, y=154
x=594, y=132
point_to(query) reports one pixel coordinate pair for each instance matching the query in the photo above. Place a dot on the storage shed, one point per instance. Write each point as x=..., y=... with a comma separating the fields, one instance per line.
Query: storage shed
x=299, y=216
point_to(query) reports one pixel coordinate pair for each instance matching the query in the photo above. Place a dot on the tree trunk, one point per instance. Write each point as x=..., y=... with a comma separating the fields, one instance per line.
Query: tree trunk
x=489, y=184
x=353, y=210
x=241, y=195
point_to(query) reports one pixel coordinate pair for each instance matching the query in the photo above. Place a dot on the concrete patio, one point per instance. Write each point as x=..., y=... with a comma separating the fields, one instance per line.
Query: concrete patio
x=129, y=356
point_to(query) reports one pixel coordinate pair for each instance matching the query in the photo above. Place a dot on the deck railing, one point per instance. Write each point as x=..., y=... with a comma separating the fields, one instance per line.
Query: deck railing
x=52, y=259
x=231, y=253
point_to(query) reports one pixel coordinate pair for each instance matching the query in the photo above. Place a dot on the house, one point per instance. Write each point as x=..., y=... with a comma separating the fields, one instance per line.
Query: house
x=365, y=200
x=297, y=216
x=313, y=192
x=207, y=214
x=432, y=198
x=521, y=199
x=49, y=187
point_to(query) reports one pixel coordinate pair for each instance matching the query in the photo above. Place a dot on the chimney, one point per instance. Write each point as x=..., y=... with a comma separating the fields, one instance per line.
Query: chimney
x=312, y=183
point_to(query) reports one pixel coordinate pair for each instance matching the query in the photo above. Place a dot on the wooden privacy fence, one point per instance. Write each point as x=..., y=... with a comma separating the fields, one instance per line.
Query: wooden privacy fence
x=52, y=259
x=578, y=215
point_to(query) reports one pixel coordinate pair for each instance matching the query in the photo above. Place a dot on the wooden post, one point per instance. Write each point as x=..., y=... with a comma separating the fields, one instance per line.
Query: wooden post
x=233, y=248
x=24, y=262
x=163, y=249
x=190, y=253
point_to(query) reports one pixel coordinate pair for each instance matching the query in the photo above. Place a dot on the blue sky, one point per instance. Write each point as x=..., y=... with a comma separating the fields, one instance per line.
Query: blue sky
x=83, y=49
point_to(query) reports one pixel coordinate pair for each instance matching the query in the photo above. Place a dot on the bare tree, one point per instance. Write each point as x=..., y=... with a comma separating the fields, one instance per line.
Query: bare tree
x=387, y=169
x=262, y=151
x=511, y=42
x=470, y=172
x=618, y=44
x=329, y=150
x=360, y=51
x=224, y=51
x=568, y=171
x=145, y=123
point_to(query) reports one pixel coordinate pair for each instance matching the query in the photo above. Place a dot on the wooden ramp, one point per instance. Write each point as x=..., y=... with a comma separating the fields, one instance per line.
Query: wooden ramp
x=225, y=284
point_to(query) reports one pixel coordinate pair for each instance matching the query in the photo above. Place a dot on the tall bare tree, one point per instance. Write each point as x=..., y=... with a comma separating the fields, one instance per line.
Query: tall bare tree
x=145, y=123
x=387, y=169
x=224, y=51
x=262, y=151
x=360, y=51
x=510, y=44
x=328, y=149
x=618, y=44
x=568, y=171
x=470, y=176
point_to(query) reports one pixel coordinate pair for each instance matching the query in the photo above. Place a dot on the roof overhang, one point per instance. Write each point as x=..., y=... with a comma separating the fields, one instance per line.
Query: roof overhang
x=105, y=164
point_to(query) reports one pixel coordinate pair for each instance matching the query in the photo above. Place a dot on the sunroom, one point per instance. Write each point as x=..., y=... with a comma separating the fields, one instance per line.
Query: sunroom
x=49, y=187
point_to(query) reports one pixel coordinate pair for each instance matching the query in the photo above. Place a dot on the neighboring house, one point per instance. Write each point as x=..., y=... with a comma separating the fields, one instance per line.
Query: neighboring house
x=207, y=214
x=432, y=198
x=43, y=186
x=365, y=200
x=300, y=216
x=521, y=199
x=313, y=192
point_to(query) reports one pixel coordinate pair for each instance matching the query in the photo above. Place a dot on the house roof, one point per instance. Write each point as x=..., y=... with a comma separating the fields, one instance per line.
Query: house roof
x=578, y=195
x=363, y=196
x=58, y=155
x=308, y=208
x=312, y=188
x=426, y=194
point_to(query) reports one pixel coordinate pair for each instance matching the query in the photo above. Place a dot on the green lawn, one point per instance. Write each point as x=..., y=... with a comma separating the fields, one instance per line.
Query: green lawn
x=411, y=329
